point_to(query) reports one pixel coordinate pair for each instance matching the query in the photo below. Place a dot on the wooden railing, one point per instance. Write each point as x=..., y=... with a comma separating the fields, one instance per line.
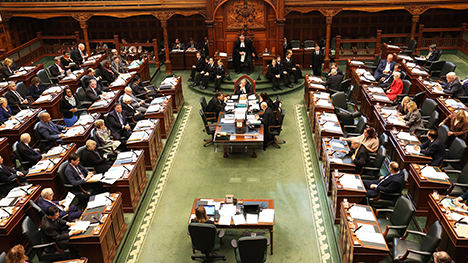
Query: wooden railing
x=444, y=38
x=25, y=53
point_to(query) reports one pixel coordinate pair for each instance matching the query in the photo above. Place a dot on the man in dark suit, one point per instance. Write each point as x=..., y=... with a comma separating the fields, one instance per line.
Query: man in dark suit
x=286, y=46
x=453, y=86
x=191, y=45
x=26, y=152
x=385, y=82
x=7, y=174
x=268, y=119
x=338, y=71
x=205, y=49
x=433, y=55
x=243, y=52
x=56, y=69
x=77, y=175
x=93, y=93
x=334, y=81
x=207, y=74
x=138, y=88
x=244, y=88
x=136, y=103
x=55, y=229
x=117, y=66
x=284, y=74
x=216, y=104
x=178, y=45
x=46, y=200
x=197, y=68
x=118, y=123
x=433, y=147
x=316, y=61
x=385, y=67
x=79, y=55
x=49, y=130
x=359, y=155
x=291, y=67
x=15, y=99
x=390, y=183
x=130, y=110
x=92, y=75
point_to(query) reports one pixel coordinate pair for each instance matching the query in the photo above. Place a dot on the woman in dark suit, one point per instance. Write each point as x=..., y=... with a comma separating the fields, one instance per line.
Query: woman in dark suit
x=91, y=158
x=36, y=89
x=7, y=69
x=68, y=106
x=201, y=217
x=107, y=73
x=413, y=119
x=220, y=72
x=5, y=110
x=265, y=98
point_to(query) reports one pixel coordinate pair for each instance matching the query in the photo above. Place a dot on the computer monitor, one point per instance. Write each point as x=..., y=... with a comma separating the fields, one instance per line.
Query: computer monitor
x=210, y=210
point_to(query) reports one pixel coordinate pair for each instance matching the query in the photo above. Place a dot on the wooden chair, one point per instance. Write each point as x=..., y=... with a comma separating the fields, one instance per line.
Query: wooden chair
x=248, y=79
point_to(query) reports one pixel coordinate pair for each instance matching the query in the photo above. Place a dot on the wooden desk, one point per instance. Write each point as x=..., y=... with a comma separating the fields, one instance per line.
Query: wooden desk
x=224, y=59
x=152, y=145
x=81, y=260
x=351, y=67
x=319, y=101
x=75, y=82
x=142, y=71
x=132, y=184
x=30, y=74
x=428, y=86
x=267, y=58
x=49, y=178
x=5, y=151
x=10, y=228
x=52, y=106
x=307, y=54
x=165, y=116
x=260, y=225
x=298, y=57
x=413, y=75
x=191, y=59
x=359, y=81
x=105, y=106
x=311, y=84
x=177, y=60
x=14, y=134
x=354, y=250
x=389, y=49
x=94, y=61
x=373, y=95
x=100, y=243
x=122, y=81
x=381, y=121
x=421, y=187
x=332, y=131
x=330, y=161
x=401, y=156
x=447, y=106
x=342, y=189
x=81, y=138
x=176, y=92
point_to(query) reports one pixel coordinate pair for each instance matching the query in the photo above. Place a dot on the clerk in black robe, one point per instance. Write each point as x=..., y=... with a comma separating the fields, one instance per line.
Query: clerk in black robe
x=268, y=119
x=243, y=45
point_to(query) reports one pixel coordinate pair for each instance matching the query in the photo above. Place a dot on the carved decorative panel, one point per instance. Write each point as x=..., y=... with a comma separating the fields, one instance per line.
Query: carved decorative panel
x=245, y=14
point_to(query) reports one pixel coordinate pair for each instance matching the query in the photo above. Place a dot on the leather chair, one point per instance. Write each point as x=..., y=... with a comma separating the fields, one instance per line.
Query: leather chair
x=427, y=108
x=434, y=67
x=32, y=234
x=248, y=79
x=3, y=257
x=396, y=220
x=411, y=47
x=66, y=183
x=419, y=98
x=210, y=116
x=355, y=130
x=443, y=133
x=23, y=90
x=372, y=68
x=24, y=164
x=98, y=73
x=339, y=101
x=209, y=128
x=345, y=117
x=460, y=186
x=251, y=249
x=206, y=239
x=406, y=89
x=388, y=199
x=44, y=78
x=295, y=44
x=53, y=80
x=344, y=86
x=309, y=44
x=408, y=251
x=371, y=171
x=455, y=154
x=80, y=151
x=446, y=68
x=428, y=124
x=81, y=96
x=40, y=213
x=349, y=92
x=276, y=129
x=383, y=140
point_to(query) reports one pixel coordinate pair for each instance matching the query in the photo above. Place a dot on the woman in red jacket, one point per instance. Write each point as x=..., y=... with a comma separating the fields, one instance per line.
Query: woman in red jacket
x=397, y=86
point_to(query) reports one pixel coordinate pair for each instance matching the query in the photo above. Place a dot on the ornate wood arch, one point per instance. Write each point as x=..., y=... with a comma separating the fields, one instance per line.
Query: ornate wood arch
x=219, y=3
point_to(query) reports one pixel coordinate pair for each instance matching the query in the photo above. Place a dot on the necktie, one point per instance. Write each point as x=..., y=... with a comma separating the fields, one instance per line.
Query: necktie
x=6, y=169
x=385, y=178
x=428, y=55
x=53, y=127
x=94, y=91
x=79, y=172
x=18, y=95
x=58, y=206
x=59, y=67
x=120, y=118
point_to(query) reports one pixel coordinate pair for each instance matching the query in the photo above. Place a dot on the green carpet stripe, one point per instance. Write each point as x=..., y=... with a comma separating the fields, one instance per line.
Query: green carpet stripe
x=150, y=210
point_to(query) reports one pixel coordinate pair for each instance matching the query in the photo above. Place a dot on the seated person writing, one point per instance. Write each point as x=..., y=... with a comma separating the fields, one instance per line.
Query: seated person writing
x=92, y=158
x=359, y=155
x=244, y=88
x=50, y=131
x=35, y=88
x=457, y=124
x=201, y=217
x=385, y=82
x=207, y=74
x=197, y=68
x=118, y=123
x=178, y=45
x=130, y=110
x=77, y=175
x=333, y=81
x=385, y=67
x=7, y=174
x=93, y=93
x=192, y=45
x=217, y=103
x=433, y=147
x=67, y=63
x=413, y=119
x=396, y=88
x=46, y=200
x=136, y=103
x=391, y=183
x=431, y=56
x=26, y=152
x=138, y=88
x=5, y=111
x=452, y=86
x=104, y=137
x=55, y=229
x=15, y=99
x=368, y=138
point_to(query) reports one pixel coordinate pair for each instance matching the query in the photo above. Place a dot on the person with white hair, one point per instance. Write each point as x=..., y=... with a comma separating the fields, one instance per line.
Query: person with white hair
x=136, y=103
x=396, y=88
x=130, y=110
x=334, y=80
x=453, y=86
x=79, y=55
x=26, y=152
x=46, y=200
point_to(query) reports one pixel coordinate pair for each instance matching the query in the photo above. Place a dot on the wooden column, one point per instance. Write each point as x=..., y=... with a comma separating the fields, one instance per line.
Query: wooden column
x=83, y=18
x=329, y=13
x=338, y=47
x=117, y=43
x=281, y=22
x=413, y=26
x=420, y=37
x=377, y=42
x=211, y=36
x=166, y=48
x=416, y=11
x=156, y=52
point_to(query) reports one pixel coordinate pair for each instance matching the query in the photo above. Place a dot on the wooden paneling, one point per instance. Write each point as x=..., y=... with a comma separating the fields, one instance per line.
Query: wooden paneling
x=309, y=26
x=186, y=27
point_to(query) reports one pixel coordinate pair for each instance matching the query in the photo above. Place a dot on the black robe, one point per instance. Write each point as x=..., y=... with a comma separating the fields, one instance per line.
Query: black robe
x=248, y=49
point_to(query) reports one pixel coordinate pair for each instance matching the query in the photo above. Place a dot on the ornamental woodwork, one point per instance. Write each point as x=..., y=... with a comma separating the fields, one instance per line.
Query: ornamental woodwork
x=6, y=16
x=163, y=16
x=417, y=10
x=245, y=14
x=82, y=17
x=329, y=13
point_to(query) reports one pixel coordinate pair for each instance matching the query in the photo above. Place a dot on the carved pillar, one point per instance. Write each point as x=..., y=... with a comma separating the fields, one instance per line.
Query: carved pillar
x=6, y=25
x=280, y=22
x=117, y=43
x=211, y=36
x=420, y=37
x=377, y=43
x=82, y=18
x=416, y=11
x=163, y=17
x=156, y=52
x=329, y=13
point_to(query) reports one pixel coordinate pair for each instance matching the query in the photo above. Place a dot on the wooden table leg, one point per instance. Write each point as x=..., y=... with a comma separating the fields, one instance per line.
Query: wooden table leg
x=254, y=155
x=271, y=241
x=225, y=155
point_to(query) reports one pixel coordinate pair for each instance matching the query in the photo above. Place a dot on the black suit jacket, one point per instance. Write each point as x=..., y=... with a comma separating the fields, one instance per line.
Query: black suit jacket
x=76, y=56
x=91, y=96
x=54, y=70
x=248, y=89
x=114, y=122
x=434, y=149
x=361, y=159
x=73, y=177
x=27, y=153
x=338, y=72
x=200, y=65
x=92, y=159
x=6, y=176
x=220, y=71
x=65, y=107
x=268, y=119
x=108, y=75
x=210, y=69
x=286, y=46
x=316, y=60
x=14, y=102
x=434, y=55
x=333, y=82
x=288, y=65
x=54, y=231
x=7, y=72
x=215, y=105
x=455, y=88
x=391, y=183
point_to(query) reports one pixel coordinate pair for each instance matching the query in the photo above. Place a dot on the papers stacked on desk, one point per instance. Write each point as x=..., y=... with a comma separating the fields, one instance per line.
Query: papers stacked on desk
x=19, y=73
x=81, y=225
x=43, y=165
x=127, y=157
x=135, y=64
x=158, y=100
x=332, y=127
x=118, y=82
x=357, y=63
x=10, y=124
x=6, y=212
x=138, y=136
x=44, y=98
x=418, y=71
x=359, y=212
x=20, y=191
x=56, y=150
x=395, y=121
x=350, y=181
x=144, y=124
x=367, y=76
x=252, y=120
x=376, y=90
x=406, y=136
x=323, y=103
x=168, y=83
x=317, y=86
x=99, y=200
x=393, y=46
x=154, y=108
x=322, y=95
x=69, y=77
x=115, y=173
x=338, y=145
x=388, y=111
x=89, y=61
x=405, y=57
x=99, y=103
x=360, y=71
x=370, y=237
x=74, y=131
x=431, y=173
x=325, y=116
x=267, y=216
x=455, y=104
x=410, y=64
x=381, y=97
x=410, y=149
x=3, y=84
x=8, y=201
x=85, y=119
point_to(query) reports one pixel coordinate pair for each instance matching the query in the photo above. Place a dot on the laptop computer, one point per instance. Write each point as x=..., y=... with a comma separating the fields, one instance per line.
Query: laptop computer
x=210, y=210
x=251, y=208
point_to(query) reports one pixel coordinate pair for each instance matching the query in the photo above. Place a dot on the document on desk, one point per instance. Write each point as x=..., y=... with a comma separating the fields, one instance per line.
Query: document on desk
x=370, y=237
x=381, y=97
x=368, y=228
x=224, y=220
x=317, y=86
x=251, y=219
x=74, y=131
x=324, y=103
x=138, y=136
x=315, y=79
x=239, y=219
x=98, y=200
x=395, y=121
x=154, y=108
x=432, y=173
x=407, y=136
x=332, y=127
x=322, y=95
x=328, y=117
x=336, y=160
x=338, y=145
x=80, y=225
x=20, y=191
x=7, y=213
x=44, y=98
x=267, y=216
x=350, y=181
x=8, y=201
x=68, y=199
x=410, y=149
x=360, y=212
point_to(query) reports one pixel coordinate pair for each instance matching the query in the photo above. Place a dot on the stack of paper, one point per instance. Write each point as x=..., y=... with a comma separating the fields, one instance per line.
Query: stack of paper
x=99, y=103
x=99, y=200
x=410, y=149
x=370, y=237
x=395, y=121
x=143, y=124
x=350, y=181
x=68, y=199
x=10, y=124
x=388, y=111
x=74, y=131
x=322, y=95
x=85, y=119
x=158, y=100
x=154, y=108
x=118, y=82
x=432, y=173
x=410, y=64
x=381, y=97
x=359, y=212
x=405, y=57
x=357, y=63
x=54, y=151
x=5, y=212
x=113, y=174
x=267, y=216
x=251, y=219
x=455, y=104
x=418, y=71
x=80, y=225
x=238, y=219
x=360, y=71
x=138, y=136
x=171, y=81
x=317, y=86
x=376, y=90
x=324, y=103
x=330, y=126
x=44, y=98
x=328, y=117
x=407, y=136
x=20, y=191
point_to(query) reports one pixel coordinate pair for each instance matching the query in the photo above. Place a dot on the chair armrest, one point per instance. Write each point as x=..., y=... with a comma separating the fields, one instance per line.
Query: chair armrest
x=452, y=160
x=221, y=233
x=412, y=232
x=140, y=95
x=408, y=251
x=273, y=127
x=377, y=211
x=83, y=103
x=145, y=83
x=371, y=168
x=352, y=134
x=234, y=243
x=43, y=245
x=392, y=227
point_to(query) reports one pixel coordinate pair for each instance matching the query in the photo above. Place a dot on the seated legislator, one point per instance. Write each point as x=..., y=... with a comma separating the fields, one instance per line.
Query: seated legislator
x=92, y=75
x=243, y=52
x=265, y=98
x=137, y=103
x=431, y=56
x=284, y=73
x=291, y=67
x=220, y=73
x=201, y=217
x=244, y=88
x=402, y=108
x=116, y=66
x=413, y=119
x=333, y=81
x=396, y=88
x=92, y=158
x=118, y=123
x=16, y=101
x=93, y=93
x=316, y=61
x=216, y=104
x=122, y=61
x=433, y=147
x=274, y=74
x=104, y=137
x=359, y=154
x=464, y=82
x=7, y=174
x=47, y=199
x=69, y=106
x=7, y=69
x=27, y=152
x=268, y=119
x=138, y=88
x=191, y=45
x=206, y=75
x=55, y=229
x=79, y=55
x=49, y=130
x=368, y=138
x=107, y=73
x=130, y=110
x=457, y=124
x=67, y=63
x=178, y=45
x=35, y=88
x=78, y=175
x=391, y=183
x=5, y=111
x=461, y=198
x=385, y=82
x=197, y=68
x=452, y=86
x=338, y=71
x=17, y=255
x=56, y=70
x=385, y=67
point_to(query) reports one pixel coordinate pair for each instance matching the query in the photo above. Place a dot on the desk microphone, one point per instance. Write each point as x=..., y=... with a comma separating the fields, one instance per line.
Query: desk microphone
x=27, y=193
x=458, y=221
x=128, y=170
x=110, y=199
x=50, y=160
x=99, y=221
x=66, y=149
x=340, y=178
x=133, y=152
x=350, y=206
x=146, y=132
x=440, y=201
x=3, y=209
x=357, y=228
